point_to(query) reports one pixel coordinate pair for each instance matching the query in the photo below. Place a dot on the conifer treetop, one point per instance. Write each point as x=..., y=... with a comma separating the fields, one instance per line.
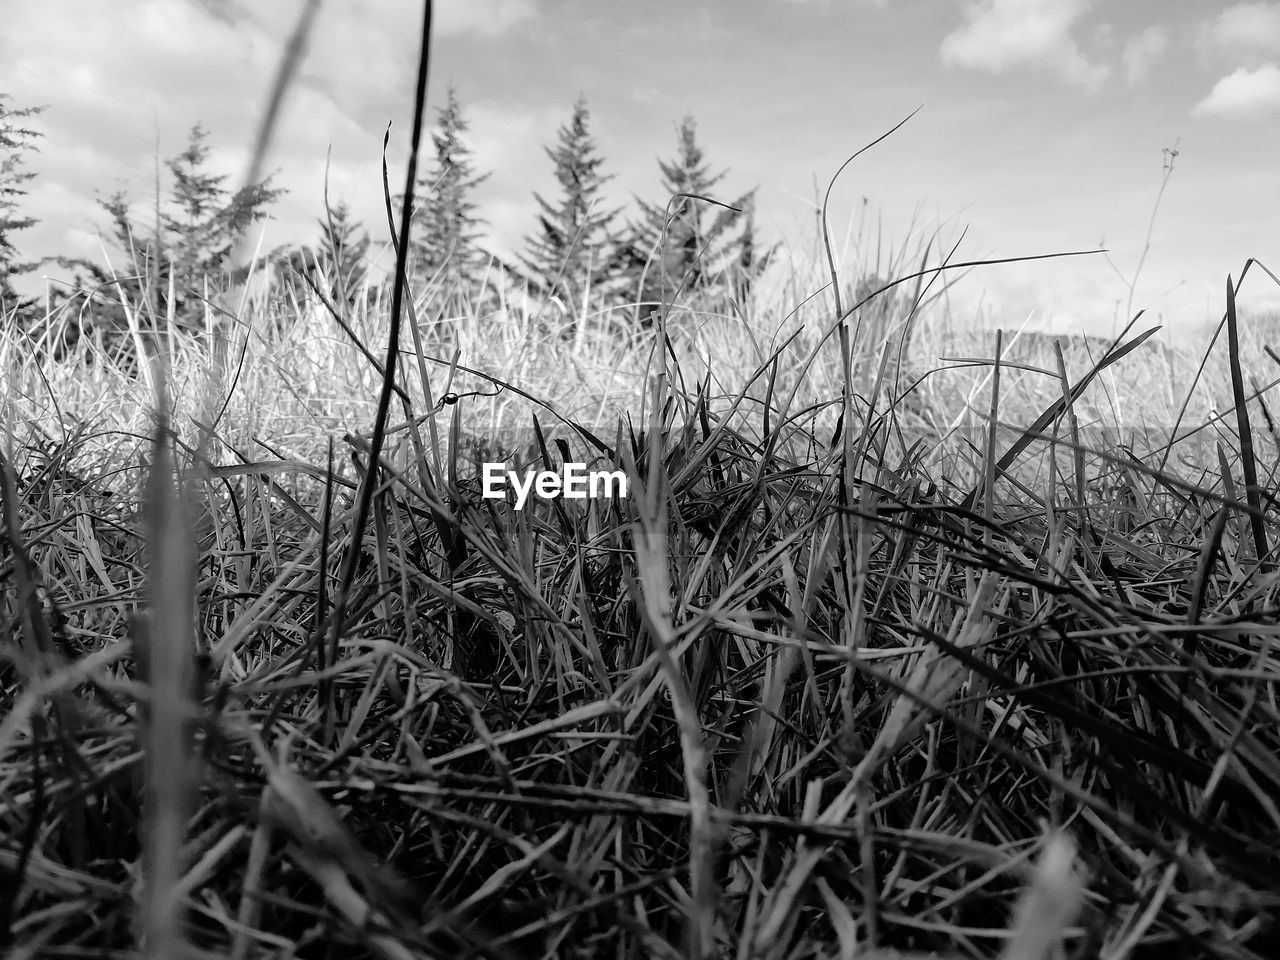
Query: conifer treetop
x=573, y=243
x=16, y=140
x=683, y=243
x=446, y=237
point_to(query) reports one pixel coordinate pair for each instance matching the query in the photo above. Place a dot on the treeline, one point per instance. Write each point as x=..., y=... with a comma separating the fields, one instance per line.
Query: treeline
x=582, y=253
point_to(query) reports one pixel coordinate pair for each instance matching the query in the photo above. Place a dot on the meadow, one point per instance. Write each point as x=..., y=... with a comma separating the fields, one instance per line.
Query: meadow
x=912, y=638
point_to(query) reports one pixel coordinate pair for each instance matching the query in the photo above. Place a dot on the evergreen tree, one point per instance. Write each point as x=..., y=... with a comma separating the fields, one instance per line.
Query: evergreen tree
x=662, y=254
x=190, y=243
x=15, y=141
x=345, y=247
x=694, y=254
x=573, y=243
x=446, y=229
x=201, y=234
x=880, y=316
x=745, y=259
x=337, y=263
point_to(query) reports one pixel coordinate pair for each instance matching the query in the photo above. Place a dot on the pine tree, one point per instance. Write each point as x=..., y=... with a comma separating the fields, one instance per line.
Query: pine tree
x=446, y=229
x=344, y=253
x=15, y=141
x=746, y=259
x=573, y=244
x=190, y=232
x=879, y=318
x=200, y=236
x=691, y=255
x=337, y=263
x=190, y=243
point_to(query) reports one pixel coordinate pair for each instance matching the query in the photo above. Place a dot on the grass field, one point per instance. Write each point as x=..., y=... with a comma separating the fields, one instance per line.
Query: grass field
x=886, y=654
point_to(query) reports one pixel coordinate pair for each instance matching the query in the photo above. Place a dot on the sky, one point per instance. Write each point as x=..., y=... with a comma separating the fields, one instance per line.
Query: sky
x=1043, y=125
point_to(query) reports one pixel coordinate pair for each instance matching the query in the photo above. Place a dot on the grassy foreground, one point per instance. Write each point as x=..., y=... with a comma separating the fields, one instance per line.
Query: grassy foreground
x=810, y=691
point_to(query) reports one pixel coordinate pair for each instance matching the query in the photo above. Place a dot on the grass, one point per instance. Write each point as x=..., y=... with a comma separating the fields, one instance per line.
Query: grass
x=856, y=670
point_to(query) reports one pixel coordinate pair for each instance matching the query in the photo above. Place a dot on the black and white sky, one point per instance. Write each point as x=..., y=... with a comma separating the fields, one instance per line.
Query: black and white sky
x=1042, y=126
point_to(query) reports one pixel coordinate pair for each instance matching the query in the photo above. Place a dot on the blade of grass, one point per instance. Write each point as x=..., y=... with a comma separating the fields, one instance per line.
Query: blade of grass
x=1248, y=462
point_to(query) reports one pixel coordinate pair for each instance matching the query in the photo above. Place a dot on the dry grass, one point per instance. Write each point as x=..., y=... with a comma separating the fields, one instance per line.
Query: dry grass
x=749, y=712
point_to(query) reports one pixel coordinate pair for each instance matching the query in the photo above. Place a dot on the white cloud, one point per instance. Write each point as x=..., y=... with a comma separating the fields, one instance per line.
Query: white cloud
x=999, y=35
x=403, y=21
x=498, y=132
x=1142, y=52
x=651, y=95
x=485, y=17
x=1248, y=27
x=1243, y=93
x=878, y=4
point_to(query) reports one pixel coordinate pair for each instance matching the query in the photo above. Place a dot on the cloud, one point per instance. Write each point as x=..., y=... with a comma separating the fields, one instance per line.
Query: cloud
x=1142, y=52
x=1243, y=93
x=117, y=75
x=498, y=132
x=651, y=95
x=453, y=18
x=1000, y=35
x=1247, y=27
x=878, y=4
x=227, y=11
x=484, y=17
